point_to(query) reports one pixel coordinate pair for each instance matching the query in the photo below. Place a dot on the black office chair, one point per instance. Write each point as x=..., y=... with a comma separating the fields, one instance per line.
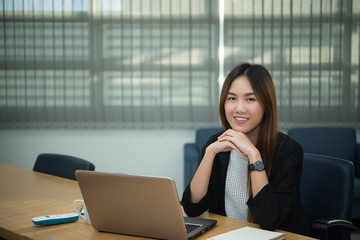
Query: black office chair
x=61, y=165
x=326, y=194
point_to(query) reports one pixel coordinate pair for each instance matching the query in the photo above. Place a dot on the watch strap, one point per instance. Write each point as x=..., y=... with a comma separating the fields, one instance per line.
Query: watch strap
x=258, y=165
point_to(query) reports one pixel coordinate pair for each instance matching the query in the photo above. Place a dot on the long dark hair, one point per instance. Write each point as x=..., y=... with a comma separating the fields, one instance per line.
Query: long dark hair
x=264, y=89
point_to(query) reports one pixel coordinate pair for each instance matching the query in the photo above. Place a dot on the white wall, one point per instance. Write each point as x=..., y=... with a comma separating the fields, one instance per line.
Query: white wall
x=147, y=152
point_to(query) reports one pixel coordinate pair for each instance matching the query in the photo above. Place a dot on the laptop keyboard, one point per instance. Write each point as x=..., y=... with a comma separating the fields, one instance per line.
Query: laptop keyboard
x=191, y=227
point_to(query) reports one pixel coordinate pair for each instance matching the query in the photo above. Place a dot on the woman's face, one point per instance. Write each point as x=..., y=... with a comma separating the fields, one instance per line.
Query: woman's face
x=243, y=112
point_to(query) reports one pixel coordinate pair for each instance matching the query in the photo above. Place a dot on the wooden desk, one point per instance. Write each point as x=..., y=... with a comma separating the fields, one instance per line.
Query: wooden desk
x=26, y=194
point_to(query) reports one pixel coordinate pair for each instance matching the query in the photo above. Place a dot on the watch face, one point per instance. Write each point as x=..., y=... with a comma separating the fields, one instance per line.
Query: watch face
x=259, y=166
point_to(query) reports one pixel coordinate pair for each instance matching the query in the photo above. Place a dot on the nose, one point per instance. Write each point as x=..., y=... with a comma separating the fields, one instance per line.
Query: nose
x=240, y=108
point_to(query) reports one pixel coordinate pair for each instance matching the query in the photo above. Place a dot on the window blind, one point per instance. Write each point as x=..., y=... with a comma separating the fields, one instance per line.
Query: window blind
x=311, y=48
x=155, y=63
x=130, y=63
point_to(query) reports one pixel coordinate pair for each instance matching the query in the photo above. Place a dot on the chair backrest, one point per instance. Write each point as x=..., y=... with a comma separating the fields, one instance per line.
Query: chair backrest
x=203, y=135
x=327, y=187
x=337, y=142
x=61, y=165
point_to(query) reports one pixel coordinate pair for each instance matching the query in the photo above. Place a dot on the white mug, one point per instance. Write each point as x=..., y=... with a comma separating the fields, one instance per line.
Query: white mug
x=83, y=211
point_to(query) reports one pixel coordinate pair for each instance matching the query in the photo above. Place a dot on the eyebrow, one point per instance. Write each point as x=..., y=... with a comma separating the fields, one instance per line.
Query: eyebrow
x=246, y=94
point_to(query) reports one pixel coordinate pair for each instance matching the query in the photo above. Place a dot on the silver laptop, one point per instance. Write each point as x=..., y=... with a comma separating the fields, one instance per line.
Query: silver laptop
x=137, y=205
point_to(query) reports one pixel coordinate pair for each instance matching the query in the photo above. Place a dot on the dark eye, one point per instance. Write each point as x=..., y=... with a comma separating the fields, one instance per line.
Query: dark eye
x=251, y=99
x=231, y=98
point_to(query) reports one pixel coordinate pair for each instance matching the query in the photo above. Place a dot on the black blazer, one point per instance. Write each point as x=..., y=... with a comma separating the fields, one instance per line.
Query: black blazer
x=276, y=206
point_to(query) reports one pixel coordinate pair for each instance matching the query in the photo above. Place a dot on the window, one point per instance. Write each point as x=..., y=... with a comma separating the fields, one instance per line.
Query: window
x=311, y=48
x=154, y=63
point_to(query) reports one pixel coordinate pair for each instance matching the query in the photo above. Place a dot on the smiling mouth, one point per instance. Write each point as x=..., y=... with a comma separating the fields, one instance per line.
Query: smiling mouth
x=241, y=118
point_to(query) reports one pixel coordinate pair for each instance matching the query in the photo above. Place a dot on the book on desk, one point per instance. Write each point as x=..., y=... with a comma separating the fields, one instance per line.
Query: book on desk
x=250, y=233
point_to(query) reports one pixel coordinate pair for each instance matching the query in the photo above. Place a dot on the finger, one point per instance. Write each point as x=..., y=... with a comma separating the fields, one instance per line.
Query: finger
x=223, y=146
x=227, y=138
x=234, y=147
x=228, y=146
x=236, y=143
x=229, y=132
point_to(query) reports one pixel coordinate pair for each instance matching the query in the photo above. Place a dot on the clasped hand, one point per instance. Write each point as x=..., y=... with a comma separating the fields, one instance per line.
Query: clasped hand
x=234, y=140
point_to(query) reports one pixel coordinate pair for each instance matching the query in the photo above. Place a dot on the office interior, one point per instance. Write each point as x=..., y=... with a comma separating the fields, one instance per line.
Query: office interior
x=126, y=83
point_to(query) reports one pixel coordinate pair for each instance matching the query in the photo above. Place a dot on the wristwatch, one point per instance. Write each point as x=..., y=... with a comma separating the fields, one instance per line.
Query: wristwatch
x=258, y=165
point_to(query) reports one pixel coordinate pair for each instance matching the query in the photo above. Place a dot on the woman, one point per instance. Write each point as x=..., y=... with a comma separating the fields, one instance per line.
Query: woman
x=251, y=171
